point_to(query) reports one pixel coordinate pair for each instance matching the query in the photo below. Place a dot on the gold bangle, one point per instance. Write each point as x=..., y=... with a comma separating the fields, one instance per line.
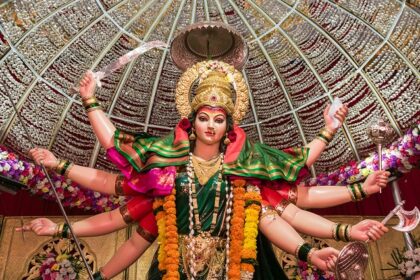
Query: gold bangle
x=268, y=211
x=59, y=230
x=357, y=192
x=281, y=207
x=350, y=188
x=342, y=232
x=89, y=101
x=60, y=166
x=334, y=231
x=348, y=233
x=322, y=139
x=310, y=255
x=66, y=173
x=94, y=109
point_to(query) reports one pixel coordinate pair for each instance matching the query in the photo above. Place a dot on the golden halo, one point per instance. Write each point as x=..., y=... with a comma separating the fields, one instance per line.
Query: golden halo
x=200, y=70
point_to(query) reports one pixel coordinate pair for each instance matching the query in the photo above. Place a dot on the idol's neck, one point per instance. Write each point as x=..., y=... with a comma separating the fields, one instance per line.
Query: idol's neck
x=206, y=151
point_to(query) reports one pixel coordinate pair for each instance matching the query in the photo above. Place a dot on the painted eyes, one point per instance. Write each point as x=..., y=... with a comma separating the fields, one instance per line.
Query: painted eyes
x=205, y=119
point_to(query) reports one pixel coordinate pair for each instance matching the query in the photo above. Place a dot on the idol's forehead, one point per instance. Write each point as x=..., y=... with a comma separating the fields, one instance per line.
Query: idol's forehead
x=211, y=110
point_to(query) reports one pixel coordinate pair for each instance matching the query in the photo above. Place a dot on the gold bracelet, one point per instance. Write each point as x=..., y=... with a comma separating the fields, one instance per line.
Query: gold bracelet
x=93, y=109
x=67, y=171
x=59, y=230
x=298, y=248
x=350, y=188
x=281, y=207
x=310, y=255
x=322, y=139
x=89, y=101
x=348, y=233
x=60, y=166
x=268, y=211
x=334, y=231
x=342, y=232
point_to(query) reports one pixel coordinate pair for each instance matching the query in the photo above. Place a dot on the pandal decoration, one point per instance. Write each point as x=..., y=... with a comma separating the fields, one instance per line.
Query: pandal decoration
x=71, y=194
x=402, y=155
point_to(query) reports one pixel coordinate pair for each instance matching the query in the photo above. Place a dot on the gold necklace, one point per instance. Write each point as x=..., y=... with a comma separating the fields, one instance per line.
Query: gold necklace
x=205, y=169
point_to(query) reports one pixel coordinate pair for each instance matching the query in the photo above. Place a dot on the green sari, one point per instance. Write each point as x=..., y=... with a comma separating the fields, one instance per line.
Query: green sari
x=268, y=268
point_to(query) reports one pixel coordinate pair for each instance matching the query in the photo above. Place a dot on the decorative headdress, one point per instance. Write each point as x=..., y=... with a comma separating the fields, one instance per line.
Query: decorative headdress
x=215, y=82
x=191, y=50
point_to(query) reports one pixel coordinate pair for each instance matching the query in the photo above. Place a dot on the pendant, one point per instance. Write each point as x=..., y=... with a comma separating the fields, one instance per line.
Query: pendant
x=200, y=250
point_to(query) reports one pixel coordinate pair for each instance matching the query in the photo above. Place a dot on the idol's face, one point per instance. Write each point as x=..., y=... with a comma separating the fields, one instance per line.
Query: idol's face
x=210, y=125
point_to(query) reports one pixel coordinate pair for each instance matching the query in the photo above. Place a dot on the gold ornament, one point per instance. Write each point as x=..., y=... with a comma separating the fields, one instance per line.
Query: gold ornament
x=213, y=92
x=205, y=169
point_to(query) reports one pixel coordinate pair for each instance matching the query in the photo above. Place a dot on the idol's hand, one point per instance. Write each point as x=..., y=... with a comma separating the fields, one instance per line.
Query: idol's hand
x=40, y=226
x=87, y=85
x=368, y=230
x=45, y=157
x=376, y=181
x=325, y=258
x=340, y=115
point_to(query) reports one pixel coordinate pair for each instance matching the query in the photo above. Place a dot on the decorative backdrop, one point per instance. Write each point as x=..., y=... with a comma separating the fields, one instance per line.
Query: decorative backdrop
x=302, y=54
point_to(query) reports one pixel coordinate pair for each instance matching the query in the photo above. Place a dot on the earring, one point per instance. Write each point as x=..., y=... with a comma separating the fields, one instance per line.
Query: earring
x=192, y=136
x=227, y=140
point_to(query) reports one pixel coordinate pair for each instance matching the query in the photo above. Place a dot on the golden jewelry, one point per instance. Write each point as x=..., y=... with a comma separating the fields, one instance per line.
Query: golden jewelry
x=213, y=89
x=89, y=101
x=205, y=169
x=281, y=206
x=268, y=211
x=310, y=255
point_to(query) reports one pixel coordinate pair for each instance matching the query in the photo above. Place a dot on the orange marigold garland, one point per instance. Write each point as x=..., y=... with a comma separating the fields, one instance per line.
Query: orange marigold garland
x=161, y=222
x=236, y=230
x=249, y=250
x=171, y=262
x=168, y=254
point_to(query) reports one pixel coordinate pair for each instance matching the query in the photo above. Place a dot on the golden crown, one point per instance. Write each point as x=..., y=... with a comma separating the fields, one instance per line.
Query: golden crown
x=214, y=90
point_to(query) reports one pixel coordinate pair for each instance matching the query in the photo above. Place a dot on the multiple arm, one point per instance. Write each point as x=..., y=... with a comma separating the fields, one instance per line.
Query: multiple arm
x=102, y=126
x=93, y=179
x=282, y=235
x=328, y=196
x=317, y=226
x=318, y=145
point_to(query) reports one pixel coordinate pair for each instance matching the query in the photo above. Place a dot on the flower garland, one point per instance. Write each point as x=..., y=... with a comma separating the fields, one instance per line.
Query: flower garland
x=402, y=155
x=160, y=221
x=70, y=193
x=236, y=230
x=171, y=238
x=249, y=251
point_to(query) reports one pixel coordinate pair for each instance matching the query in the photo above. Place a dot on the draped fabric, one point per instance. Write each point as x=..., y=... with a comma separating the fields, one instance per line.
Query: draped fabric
x=254, y=160
x=268, y=268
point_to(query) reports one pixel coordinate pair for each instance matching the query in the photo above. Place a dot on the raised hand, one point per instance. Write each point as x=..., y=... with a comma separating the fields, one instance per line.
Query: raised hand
x=325, y=258
x=87, y=85
x=376, y=181
x=40, y=226
x=45, y=157
x=368, y=230
x=340, y=115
